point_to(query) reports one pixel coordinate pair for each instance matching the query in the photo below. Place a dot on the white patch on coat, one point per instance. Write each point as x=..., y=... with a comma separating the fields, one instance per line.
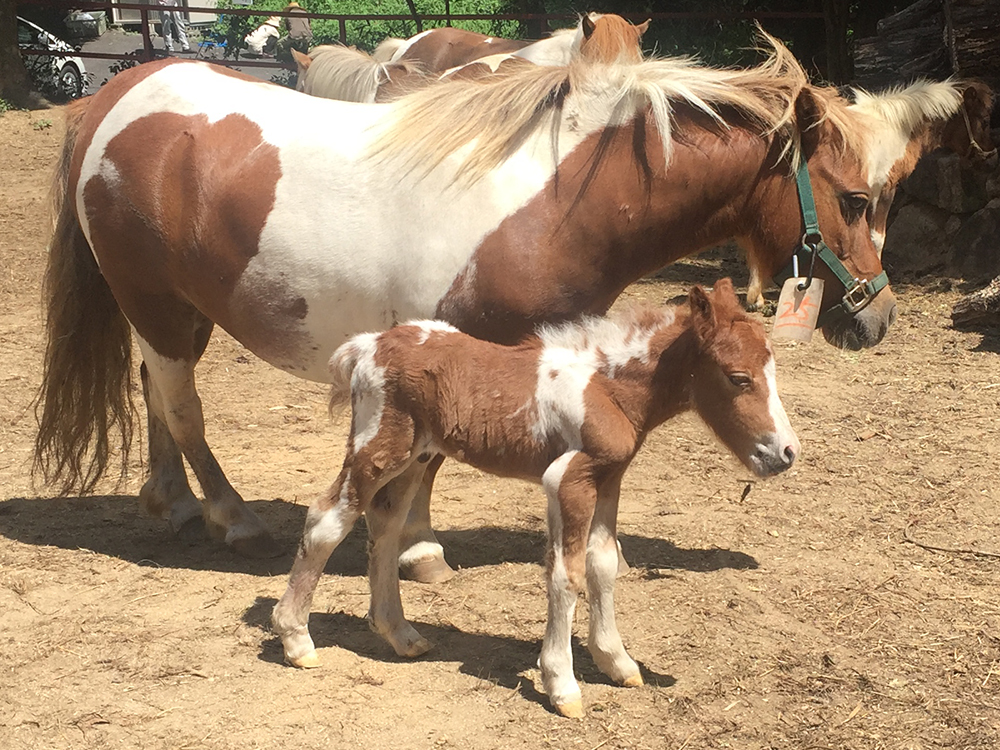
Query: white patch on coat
x=407, y=43
x=367, y=391
x=332, y=526
x=343, y=227
x=427, y=327
x=563, y=376
x=557, y=49
x=783, y=435
x=420, y=552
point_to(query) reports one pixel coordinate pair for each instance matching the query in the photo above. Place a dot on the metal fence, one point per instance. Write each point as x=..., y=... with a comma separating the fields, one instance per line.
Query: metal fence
x=149, y=12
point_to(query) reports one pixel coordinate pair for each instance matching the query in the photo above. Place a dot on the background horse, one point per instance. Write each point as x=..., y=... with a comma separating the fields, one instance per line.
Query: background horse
x=568, y=409
x=189, y=197
x=904, y=124
x=337, y=72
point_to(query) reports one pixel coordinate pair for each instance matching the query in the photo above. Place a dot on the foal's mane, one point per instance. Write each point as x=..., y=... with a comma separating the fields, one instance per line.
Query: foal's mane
x=626, y=332
x=497, y=114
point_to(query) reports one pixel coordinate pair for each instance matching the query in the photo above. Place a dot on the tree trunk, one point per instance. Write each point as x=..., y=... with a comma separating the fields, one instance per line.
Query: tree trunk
x=15, y=84
x=980, y=308
x=416, y=15
x=836, y=14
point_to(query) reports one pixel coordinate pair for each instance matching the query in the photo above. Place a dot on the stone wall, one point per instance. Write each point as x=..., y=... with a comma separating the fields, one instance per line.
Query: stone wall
x=945, y=220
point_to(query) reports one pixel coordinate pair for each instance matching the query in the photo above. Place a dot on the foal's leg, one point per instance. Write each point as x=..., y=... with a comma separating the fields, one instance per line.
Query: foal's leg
x=226, y=516
x=166, y=494
x=422, y=556
x=571, y=493
x=386, y=516
x=328, y=521
x=604, y=642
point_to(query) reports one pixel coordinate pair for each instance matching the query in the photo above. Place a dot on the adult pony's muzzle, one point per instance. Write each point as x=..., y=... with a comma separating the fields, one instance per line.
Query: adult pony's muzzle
x=863, y=329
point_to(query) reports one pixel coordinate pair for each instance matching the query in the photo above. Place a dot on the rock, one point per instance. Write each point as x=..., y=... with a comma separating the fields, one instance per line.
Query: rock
x=977, y=245
x=916, y=240
x=942, y=180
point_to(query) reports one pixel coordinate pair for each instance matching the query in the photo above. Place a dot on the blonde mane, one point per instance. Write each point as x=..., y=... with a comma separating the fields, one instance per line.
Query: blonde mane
x=345, y=73
x=496, y=115
x=909, y=108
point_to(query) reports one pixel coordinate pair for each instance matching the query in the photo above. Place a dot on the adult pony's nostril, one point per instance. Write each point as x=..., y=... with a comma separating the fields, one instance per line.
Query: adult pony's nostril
x=789, y=455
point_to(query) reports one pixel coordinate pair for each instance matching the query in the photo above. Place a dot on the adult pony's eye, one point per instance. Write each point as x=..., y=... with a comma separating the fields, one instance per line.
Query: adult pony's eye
x=740, y=379
x=853, y=206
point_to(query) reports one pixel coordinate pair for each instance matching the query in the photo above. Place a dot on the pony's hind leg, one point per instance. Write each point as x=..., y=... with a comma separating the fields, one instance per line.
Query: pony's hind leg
x=422, y=556
x=166, y=494
x=227, y=518
x=327, y=523
x=604, y=642
x=386, y=517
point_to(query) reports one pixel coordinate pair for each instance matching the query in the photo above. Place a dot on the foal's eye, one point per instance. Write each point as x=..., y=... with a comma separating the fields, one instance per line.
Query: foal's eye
x=740, y=379
x=853, y=206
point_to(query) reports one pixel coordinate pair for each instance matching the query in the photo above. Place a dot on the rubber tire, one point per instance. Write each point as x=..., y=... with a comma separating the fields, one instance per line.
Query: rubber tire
x=70, y=81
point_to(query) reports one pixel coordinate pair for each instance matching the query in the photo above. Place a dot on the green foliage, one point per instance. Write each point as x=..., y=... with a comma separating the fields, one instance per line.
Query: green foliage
x=6, y=106
x=364, y=34
x=43, y=124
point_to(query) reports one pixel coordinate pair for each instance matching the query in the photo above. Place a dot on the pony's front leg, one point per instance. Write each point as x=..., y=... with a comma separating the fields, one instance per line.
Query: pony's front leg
x=421, y=556
x=571, y=494
x=327, y=523
x=385, y=518
x=604, y=642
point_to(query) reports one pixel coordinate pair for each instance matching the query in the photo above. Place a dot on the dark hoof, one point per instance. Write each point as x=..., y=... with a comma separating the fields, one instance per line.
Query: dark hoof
x=193, y=530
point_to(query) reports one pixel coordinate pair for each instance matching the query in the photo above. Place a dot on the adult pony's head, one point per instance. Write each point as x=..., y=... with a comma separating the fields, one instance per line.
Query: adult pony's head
x=655, y=159
x=733, y=387
x=610, y=38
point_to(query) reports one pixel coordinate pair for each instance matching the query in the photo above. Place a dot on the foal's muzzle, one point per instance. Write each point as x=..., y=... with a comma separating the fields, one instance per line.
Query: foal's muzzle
x=774, y=455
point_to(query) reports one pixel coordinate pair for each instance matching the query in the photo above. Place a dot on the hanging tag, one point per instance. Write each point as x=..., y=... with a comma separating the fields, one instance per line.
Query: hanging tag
x=798, y=310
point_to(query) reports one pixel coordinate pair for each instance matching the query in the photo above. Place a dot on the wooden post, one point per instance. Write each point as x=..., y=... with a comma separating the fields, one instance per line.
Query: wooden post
x=147, y=42
x=342, y=24
x=447, y=12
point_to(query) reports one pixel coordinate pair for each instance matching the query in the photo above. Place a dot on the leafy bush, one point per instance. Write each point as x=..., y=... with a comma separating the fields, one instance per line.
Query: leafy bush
x=231, y=29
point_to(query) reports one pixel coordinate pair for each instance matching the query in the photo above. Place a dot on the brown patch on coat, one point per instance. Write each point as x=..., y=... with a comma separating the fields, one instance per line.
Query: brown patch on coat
x=447, y=47
x=178, y=223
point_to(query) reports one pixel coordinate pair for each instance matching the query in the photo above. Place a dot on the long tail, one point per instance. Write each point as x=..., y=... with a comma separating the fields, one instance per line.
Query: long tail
x=86, y=391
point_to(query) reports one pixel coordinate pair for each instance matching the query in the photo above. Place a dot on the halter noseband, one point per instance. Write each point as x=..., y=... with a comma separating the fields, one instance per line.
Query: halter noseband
x=859, y=292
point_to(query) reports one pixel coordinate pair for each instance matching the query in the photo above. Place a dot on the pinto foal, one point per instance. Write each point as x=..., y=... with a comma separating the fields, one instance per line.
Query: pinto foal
x=568, y=408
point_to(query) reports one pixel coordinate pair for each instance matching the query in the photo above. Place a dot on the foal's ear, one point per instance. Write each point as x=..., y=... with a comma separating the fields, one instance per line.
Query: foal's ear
x=809, y=112
x=723, y=291
x=643, y=27
x=303, y=61
x=702, y=313
x=588, y=25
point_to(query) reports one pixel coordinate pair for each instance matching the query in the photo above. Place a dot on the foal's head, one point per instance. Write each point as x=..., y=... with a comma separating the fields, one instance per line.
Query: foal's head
x=733, y=382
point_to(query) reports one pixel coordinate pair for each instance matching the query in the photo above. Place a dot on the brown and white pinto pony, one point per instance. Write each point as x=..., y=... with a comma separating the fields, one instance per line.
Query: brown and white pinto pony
x=567, y=408
x=904, y=124
x=190, y=196
x=349, y=74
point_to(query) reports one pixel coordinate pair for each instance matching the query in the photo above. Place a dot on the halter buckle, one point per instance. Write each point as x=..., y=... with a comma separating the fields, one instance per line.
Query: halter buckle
x=857, y=296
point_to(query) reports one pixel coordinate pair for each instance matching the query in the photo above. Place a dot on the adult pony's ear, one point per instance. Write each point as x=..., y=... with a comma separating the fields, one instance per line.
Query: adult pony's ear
x=643, y=27
x=977, y=98
x=587, y=23
x=809, y=113
x=302, y=60
x=702, y=314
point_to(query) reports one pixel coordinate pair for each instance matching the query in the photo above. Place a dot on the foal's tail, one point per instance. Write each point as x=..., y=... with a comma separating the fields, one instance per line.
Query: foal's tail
x=87, y=378
x=342, y=365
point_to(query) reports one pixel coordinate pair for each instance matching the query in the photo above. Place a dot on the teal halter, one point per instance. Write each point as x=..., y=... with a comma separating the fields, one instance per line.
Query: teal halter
x=859, y=292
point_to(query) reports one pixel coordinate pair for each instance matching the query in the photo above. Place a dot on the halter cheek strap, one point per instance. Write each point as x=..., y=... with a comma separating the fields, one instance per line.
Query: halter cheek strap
x=858, y=292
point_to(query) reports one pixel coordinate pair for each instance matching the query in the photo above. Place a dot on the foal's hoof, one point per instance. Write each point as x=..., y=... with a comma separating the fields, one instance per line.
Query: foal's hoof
x=633, y=681
x=308, y=661
x=571, y=710
x=427, y=570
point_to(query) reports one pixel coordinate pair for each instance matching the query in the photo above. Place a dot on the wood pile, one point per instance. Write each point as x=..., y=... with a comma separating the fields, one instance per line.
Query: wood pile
x=932, y=39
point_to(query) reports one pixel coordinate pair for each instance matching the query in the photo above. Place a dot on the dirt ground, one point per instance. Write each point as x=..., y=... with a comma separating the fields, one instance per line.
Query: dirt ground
x=790, y=613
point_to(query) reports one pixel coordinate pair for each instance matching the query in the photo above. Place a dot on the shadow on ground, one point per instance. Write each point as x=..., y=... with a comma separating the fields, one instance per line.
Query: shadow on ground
x=115, y=526
x=498, y=659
